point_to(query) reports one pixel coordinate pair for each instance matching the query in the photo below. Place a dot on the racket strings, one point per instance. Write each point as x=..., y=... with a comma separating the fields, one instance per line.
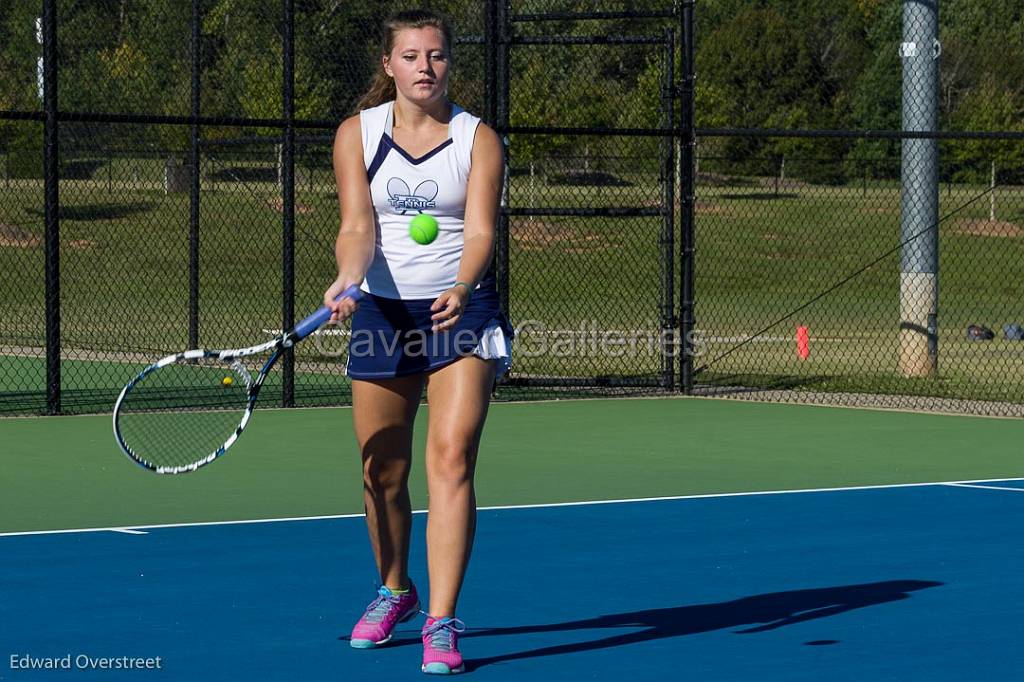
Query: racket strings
x=184, y=412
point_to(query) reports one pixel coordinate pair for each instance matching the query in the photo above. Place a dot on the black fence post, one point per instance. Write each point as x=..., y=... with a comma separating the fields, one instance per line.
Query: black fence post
x=668, y=179
x=687, y=144
x=51, y=181
x=503, y=58
x=288, y=208
x=194, y=185
x=491, y=62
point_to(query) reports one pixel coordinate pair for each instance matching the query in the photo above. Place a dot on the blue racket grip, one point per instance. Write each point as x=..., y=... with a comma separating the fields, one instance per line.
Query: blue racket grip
x=313, y=322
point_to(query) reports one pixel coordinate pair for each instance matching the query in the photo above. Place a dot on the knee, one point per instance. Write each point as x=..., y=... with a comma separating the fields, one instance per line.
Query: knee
x=383, y=477
x=451, y=460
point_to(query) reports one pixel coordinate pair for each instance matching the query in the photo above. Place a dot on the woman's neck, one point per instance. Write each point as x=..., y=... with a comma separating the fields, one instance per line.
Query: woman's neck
x=414, y=117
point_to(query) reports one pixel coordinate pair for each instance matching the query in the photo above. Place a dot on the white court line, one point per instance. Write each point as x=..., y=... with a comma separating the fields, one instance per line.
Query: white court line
x=987, y=487
x=193, y=523
x=502, y=404
x=130, y=531
x=545, y=505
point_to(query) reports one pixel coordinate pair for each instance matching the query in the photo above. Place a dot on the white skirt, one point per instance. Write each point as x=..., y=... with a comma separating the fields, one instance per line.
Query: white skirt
x=494, y=344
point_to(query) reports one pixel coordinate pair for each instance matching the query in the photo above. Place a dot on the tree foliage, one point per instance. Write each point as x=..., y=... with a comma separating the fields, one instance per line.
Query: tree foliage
x=760, y=64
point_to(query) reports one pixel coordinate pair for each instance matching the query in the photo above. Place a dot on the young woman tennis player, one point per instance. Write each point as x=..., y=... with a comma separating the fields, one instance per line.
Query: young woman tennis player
x=430, y=317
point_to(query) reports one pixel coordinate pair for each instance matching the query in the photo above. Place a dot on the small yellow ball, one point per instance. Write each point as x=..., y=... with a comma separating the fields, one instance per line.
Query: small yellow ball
x=423, y=228
x=227, y=381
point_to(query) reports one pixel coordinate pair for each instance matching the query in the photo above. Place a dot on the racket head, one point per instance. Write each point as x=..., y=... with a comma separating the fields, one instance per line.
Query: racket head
x=185, y=410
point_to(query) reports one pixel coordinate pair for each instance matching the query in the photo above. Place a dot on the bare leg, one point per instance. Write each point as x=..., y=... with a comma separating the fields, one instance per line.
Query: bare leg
x=383, y=412
x=458, y=395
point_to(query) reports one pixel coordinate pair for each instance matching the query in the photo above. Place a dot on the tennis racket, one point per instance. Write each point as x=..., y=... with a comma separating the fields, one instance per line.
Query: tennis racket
x=187, y=409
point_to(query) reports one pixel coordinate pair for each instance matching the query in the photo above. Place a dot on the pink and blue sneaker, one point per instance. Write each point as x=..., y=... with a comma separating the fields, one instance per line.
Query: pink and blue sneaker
x=441, y=646
x=382, y=615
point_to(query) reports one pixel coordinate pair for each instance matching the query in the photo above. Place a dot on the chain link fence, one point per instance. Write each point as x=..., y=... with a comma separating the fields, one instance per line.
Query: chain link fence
x=817, y=249
x=842, y=265
x=178, y=233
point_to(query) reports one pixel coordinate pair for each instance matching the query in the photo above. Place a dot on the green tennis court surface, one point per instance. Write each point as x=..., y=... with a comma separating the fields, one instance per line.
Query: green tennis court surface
x=864, y=579
x=68, y=473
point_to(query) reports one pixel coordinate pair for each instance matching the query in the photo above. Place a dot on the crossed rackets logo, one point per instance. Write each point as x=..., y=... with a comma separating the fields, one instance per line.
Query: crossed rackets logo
x=421, y=198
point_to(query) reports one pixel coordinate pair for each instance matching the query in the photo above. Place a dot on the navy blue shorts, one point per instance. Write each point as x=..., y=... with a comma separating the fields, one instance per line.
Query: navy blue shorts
x=392, y=337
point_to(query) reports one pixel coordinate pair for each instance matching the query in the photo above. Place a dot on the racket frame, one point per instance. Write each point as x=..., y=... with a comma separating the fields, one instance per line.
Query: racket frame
x=277, y=345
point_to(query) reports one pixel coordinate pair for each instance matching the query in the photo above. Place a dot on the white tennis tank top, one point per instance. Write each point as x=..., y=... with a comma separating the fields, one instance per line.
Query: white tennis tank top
x=402, y=186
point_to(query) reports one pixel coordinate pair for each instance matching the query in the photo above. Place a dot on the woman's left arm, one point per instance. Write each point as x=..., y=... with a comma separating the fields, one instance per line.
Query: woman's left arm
x=482, y=196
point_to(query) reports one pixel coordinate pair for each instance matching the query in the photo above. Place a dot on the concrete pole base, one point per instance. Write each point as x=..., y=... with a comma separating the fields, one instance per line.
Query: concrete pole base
x=918, y=300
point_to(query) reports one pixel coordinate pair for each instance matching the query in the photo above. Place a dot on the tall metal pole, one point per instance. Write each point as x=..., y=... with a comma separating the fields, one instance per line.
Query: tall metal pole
x=687, y=148
x=919, y=196
x=288, y=201
x=668, y=179
x=51, y=207
x=491, y=62
x=194, y=163
x=504, y=30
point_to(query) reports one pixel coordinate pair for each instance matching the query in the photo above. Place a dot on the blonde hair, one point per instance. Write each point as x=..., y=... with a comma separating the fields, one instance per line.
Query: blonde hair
x=382, y=89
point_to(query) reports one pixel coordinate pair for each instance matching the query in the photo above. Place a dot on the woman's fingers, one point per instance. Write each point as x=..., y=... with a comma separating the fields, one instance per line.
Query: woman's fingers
x=448, y=307
x=449, y=316
x=450, y=322
x=443, y=306
x=341, y=310
x=444, y=314
x=440, y=303
x=346, y=307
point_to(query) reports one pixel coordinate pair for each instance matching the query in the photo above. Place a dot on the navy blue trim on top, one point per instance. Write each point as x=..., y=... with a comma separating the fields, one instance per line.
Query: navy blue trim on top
x=378, y=158
x=409, y=157
x=387, y=144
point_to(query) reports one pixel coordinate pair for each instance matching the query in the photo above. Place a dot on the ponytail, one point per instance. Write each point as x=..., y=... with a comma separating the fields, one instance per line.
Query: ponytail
x=381, y=90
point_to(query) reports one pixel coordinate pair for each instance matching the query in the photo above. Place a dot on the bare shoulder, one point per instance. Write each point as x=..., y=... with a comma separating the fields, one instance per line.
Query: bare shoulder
x=349, y=130
x=486, y=141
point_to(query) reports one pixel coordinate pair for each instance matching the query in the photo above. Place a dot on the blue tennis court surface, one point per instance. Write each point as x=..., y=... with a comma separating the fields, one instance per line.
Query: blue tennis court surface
x=896, y=583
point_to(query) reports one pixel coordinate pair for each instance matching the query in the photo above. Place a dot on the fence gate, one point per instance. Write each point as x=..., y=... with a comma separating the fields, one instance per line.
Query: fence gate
x=586, y=255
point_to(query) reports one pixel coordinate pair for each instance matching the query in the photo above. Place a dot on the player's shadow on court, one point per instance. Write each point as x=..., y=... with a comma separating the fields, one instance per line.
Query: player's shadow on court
x=761, y=613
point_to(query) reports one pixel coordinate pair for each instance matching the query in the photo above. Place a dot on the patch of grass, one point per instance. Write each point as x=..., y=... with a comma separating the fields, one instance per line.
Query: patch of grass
x=125, y=283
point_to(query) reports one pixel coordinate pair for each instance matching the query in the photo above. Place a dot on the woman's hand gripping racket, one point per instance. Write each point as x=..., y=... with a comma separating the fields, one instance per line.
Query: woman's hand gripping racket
x=186, y=410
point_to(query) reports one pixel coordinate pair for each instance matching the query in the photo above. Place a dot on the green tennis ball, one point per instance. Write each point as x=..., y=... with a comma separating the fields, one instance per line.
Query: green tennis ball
x=423, y=228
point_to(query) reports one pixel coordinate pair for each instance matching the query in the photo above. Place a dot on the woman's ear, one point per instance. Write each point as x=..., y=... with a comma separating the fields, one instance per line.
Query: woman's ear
x=386, y=63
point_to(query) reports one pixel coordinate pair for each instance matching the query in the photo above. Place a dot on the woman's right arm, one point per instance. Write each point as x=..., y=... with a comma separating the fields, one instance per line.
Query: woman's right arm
x=354, y=246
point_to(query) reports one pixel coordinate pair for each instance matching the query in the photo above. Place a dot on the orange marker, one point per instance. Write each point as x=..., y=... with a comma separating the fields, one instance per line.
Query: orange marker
x=803, y=343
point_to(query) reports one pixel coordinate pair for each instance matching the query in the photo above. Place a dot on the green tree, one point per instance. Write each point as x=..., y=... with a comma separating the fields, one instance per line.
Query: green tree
x=766, y=71
x=18, y=54
x=982, y=40
x=20, y=141
x=988, y=106
x=876, y=93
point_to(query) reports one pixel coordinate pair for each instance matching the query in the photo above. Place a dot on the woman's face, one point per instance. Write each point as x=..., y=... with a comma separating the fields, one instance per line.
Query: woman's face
x=419, y=64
